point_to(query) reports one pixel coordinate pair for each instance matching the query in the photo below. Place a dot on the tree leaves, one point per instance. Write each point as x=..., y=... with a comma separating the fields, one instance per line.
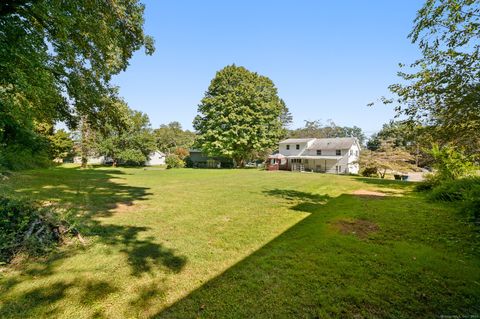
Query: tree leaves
x=442, y=89
x=57, y=59
x=240, y=115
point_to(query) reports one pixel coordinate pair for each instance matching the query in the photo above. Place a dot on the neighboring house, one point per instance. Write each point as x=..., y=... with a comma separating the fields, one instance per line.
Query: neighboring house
x=198, y=159
x=156, y=158
x=93, y=160
x=327, y=155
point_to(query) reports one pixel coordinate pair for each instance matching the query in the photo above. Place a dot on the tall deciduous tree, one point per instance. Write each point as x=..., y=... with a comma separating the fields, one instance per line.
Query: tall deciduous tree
x=128, y=144
x=240, y=114
x=171, y=136
x=61, y=144
x=386, y=157
x=442, y=89
x=57, y=59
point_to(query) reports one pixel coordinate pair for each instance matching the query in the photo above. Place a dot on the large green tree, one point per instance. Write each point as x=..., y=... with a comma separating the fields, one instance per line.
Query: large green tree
x=130, y=143
x=61, y=144
x=57, y=59
x=240, y=114
x=442, y=88
x=170, y=137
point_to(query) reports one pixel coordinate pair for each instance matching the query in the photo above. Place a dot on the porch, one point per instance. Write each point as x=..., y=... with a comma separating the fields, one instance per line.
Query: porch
x=321, y=164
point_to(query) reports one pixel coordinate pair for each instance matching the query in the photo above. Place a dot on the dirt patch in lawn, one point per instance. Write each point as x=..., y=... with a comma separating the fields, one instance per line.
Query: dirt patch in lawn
x=124, y=207
x=357, y=227
x=368, y=194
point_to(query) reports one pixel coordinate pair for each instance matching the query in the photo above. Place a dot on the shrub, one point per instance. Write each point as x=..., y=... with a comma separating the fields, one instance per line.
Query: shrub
x=472, y=203
x=466, y=191
x=181, y=152
x=28, y=228
x=173, y=161
x=450, y=163
x=428, y=184
x=454, y=190
x=370, y=171
x=17, y=157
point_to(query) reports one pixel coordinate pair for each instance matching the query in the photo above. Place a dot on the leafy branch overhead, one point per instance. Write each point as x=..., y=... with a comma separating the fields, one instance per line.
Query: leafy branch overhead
x=442, y=88
x=57, y=60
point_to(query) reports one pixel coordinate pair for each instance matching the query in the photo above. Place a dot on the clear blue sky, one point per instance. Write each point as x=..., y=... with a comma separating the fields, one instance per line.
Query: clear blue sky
x=328, y=59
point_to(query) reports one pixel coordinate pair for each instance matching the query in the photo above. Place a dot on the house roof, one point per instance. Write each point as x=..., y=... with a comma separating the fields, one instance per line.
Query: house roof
x=279, y=156
x=159, y=153
x=336, y=143
x=296, y=140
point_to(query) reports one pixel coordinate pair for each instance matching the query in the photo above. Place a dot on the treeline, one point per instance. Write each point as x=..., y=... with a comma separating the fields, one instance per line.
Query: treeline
x=318, y=130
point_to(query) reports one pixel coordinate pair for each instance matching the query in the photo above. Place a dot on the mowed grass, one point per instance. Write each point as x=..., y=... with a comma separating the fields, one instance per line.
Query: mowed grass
x=243, y=244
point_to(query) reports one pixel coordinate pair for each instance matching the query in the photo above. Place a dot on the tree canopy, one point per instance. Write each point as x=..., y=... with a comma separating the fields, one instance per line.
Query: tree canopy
x=171, y=136
x=57, y=59
x=240, y=115
x=442, y=88
x=61, y=144
x=318, y=130
x=386, y=157
x=130, y=144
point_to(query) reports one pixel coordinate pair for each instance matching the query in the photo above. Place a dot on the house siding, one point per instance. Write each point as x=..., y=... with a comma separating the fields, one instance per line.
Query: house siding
x=345, y=163
x=156, y=158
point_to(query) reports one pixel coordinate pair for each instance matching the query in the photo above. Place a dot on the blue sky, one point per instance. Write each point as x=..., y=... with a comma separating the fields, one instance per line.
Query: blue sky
x=328, y=59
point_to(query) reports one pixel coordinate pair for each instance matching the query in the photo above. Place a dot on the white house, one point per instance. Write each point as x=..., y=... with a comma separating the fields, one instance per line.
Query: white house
x=328, y=155
x=156, y=158
x=92, y=160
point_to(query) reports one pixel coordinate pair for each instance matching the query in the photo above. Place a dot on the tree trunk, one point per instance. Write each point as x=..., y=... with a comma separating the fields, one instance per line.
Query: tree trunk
x=384, y=172
x=84, y=142
x=239, y=162
x=84, y=161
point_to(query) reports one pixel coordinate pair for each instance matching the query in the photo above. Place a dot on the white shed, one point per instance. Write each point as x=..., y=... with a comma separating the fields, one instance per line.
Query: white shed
x=156, y=158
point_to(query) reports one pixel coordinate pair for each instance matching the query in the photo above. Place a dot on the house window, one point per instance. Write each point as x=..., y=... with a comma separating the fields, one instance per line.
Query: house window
x=288, y=147
x=319, y=152
x=305, y=161
x=296, y=160
x=338, y=152
x=356, y=153
x=297, y=146
x=351, y=152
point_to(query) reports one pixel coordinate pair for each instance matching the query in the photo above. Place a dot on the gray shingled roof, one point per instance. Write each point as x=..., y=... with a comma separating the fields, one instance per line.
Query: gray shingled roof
x=296, y=140
x=337, y=143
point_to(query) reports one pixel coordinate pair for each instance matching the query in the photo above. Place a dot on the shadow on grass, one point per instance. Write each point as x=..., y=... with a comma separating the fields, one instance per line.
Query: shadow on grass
x=313, y=271
x=384, y=182
x=90, y=193
x=88, y=291
x=301, y=201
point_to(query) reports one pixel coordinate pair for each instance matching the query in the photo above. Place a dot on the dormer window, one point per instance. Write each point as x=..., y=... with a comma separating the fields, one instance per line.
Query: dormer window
x=297, y=146
x=288, y=147
x=338, y=152
x=319, y=152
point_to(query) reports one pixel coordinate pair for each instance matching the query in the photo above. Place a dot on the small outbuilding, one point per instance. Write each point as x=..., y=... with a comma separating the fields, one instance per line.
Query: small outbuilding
x=155, y=158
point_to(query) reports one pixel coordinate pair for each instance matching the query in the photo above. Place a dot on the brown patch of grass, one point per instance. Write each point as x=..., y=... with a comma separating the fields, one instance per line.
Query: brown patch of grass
x=125, y=207
x=364, y=192
x=358, y=227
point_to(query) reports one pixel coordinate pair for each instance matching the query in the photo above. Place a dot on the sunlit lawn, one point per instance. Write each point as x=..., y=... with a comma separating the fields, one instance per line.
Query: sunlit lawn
x=244, y=244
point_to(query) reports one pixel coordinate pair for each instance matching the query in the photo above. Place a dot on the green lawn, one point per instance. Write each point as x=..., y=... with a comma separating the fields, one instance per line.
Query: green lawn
x=244, y=244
